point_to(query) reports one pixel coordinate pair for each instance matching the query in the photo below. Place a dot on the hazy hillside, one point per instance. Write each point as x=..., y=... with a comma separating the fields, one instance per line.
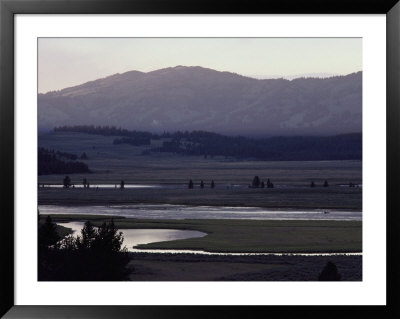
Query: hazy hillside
x=195, y=98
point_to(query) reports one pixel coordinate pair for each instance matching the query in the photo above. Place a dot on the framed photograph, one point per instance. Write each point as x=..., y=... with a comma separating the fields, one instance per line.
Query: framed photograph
x=161, y=158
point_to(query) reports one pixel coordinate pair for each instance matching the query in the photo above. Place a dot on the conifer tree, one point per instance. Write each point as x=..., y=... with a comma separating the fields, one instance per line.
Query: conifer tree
x=48, y=236
x=256, y=182
x=329, y=273
x=67, y=182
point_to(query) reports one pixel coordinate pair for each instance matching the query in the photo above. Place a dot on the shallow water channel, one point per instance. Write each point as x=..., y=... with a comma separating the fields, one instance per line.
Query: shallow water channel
x=166, y=211
x=134, y=237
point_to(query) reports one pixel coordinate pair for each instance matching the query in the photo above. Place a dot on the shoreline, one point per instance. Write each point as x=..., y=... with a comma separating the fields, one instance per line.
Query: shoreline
x=245, y=236
x=206, y=253
x=77, y=203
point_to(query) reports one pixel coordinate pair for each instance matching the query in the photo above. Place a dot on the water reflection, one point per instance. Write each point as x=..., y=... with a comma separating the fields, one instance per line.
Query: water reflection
x=202, y=252
x=166, y=211
x=134, y=237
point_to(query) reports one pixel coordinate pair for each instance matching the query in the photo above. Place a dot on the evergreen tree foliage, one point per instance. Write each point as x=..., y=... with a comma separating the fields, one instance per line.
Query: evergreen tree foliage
x=51, y=162
x=47, y=235
x=256, y=182
x=88, y=235
x=67, y=182
x=329, y=273
x=96, y=255
x=201, y=143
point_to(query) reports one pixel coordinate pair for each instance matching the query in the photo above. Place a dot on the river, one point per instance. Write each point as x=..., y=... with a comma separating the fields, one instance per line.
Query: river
x=166, y=211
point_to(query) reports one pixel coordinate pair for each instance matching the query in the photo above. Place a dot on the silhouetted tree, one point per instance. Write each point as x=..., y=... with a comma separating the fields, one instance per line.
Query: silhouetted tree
x=67, y=182
x=95, y=255
x=212, y=184
x=256, y=182
x=122, y=184
x=48, y=236
x=84, y=182
x=329, y=273
x=312, y=184
x=201, y=184
x=190, y=185
x=326, y=183
x=88, y=234
x=262, y=184
x=69, y=244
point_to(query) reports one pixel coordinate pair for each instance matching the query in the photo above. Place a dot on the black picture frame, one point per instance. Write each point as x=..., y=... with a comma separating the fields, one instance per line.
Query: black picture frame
x=9, y=8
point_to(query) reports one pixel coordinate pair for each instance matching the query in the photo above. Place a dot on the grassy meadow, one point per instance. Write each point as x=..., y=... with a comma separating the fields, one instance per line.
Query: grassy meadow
x=113, y=163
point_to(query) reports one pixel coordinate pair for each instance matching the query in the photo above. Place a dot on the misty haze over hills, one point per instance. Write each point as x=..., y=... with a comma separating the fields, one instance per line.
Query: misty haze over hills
x=196, y=98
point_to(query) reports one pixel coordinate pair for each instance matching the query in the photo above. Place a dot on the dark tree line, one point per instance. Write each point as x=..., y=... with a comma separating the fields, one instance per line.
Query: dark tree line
x=106, y=131
x=50, y=163
x=275, y=148
x=97, y=254
x=208, y=144
x=135, y=141
x=72, y=157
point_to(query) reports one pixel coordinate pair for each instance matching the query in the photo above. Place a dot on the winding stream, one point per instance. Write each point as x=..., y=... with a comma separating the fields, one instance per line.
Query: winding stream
x=134, y=237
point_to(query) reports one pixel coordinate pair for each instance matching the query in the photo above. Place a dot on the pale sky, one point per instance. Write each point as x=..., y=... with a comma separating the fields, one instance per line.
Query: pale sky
x=65, y=62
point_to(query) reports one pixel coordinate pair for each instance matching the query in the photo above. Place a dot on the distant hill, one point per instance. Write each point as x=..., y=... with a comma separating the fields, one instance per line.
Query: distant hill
x=195, y=98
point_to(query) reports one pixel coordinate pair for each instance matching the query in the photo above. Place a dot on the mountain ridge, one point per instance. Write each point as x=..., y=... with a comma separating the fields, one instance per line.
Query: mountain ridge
x=200, y=98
